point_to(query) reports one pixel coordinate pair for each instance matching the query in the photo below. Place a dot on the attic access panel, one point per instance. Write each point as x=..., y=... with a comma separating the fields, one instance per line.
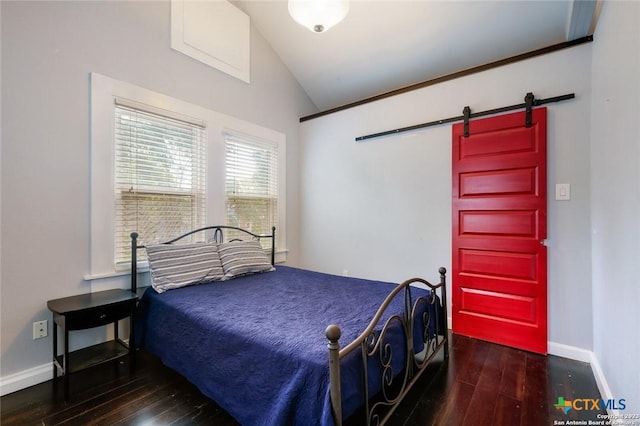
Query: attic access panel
x=215, y=33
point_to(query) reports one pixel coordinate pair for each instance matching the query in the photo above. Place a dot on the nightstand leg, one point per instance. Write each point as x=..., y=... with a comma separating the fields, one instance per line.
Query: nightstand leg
x=55, y=351
x=132, y=343
x=116, y=337
x=65, y=363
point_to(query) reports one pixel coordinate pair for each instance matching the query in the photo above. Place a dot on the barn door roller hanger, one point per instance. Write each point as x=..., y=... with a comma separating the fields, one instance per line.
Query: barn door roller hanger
x=529, y=103
x=529, y=100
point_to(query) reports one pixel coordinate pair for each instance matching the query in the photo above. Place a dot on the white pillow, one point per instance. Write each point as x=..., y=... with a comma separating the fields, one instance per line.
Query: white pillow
x=179, y=265
x=243, y=257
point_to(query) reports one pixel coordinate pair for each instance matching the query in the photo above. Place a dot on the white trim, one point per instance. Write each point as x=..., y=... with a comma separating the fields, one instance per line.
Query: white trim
x=281, y=257
x=571, y=352
x=601, y=381
x=92, y=277
x=103, y=91
x=26, y=378
x=42, y=373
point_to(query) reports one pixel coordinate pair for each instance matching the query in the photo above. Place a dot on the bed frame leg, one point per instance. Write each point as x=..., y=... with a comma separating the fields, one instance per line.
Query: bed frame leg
x=443, y=283
x=333, y=333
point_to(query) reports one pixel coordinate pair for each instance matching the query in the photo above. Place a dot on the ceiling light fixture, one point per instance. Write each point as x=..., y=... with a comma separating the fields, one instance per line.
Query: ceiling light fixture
x=318, y=15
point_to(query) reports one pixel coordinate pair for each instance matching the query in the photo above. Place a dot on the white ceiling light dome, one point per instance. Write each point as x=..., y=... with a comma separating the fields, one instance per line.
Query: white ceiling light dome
x=318, y=15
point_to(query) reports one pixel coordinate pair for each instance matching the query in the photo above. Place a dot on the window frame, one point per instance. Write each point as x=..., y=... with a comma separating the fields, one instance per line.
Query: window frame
x=132, y=124
x=234, y=138
x=104, y=92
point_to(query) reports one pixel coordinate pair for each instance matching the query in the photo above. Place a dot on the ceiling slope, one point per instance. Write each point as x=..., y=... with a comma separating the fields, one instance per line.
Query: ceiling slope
x=386, y=45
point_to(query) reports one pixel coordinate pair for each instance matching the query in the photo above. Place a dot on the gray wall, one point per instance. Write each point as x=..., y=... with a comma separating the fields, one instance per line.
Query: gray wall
x=48, y=51
x=615, y=206
x=393, y=194
x=49, y=48
x=385, y=207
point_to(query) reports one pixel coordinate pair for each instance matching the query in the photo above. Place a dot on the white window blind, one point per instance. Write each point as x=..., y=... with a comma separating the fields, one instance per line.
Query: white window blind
x=159, y=177
x=251, y=184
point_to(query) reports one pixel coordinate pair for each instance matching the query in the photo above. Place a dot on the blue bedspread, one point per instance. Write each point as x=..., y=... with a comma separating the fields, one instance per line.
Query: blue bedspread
x=256, y=344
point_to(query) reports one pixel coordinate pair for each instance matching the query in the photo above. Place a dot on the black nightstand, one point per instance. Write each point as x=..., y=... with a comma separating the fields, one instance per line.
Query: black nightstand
x=87, y=311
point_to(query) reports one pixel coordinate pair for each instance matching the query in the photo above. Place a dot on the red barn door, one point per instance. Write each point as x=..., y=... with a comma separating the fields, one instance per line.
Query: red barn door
x=499, y=225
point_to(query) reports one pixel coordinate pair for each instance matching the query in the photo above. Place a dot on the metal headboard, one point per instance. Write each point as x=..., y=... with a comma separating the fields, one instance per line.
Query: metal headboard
x=218, y=237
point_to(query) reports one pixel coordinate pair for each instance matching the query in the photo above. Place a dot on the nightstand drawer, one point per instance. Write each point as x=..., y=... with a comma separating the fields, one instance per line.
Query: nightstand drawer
x=100, y=315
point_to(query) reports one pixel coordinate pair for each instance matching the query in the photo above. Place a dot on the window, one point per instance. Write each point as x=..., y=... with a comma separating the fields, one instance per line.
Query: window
x=159, y=168
x=251, y=184
x=159, y=177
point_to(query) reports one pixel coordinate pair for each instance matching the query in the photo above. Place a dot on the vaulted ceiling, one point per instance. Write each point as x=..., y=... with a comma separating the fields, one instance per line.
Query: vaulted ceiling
x=386, y=45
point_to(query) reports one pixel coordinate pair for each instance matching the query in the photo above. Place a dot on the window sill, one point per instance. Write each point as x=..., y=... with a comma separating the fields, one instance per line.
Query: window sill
x=106, y=275
x=281, y=257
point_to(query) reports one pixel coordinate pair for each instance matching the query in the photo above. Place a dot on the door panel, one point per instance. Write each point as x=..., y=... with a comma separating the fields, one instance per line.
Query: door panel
x=504, y=306
x=517, y=223
x=498, y=182
x=499, y=225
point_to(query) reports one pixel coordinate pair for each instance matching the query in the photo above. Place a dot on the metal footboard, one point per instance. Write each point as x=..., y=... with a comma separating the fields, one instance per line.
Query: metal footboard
x=373, y=344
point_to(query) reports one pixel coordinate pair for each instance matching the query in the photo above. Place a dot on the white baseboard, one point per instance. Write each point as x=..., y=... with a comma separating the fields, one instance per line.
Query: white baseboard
x=24, y=379
x=571, y=352
x=603, y=386
x=30, y=377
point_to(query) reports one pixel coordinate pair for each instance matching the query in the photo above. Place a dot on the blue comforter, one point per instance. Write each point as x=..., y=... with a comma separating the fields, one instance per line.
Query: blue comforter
x=256, y=344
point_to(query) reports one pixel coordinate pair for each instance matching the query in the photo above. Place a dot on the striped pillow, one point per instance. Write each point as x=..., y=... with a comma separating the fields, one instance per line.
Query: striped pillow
x=174, y=266
x=243, y=257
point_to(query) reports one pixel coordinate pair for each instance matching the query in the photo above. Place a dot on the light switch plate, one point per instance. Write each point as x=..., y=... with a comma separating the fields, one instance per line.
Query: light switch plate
x=563, y=191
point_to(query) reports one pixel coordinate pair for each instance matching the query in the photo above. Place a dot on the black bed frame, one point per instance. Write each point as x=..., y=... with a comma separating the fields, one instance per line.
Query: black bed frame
x=376, y=409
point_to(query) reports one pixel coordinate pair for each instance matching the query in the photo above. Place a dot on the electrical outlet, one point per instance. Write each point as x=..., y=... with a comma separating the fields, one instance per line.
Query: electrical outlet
x=40, y=329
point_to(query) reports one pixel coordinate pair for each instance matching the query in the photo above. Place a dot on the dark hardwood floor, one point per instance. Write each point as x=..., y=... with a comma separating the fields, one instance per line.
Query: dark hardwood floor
x=482, y=384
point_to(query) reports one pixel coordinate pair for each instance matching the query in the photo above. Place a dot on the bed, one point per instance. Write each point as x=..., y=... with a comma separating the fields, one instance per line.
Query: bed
x=264, y=341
